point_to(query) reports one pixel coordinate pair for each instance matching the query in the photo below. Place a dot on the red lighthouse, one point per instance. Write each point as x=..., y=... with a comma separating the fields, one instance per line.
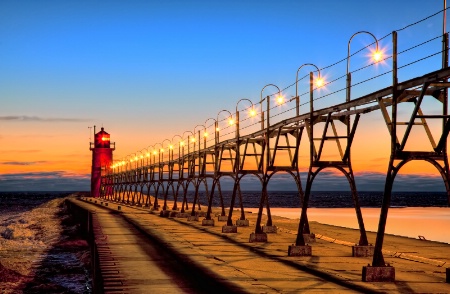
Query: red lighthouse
x=102, y=159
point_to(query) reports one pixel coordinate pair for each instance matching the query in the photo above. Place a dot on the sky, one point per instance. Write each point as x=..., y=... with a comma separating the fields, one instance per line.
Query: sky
x=150, y=70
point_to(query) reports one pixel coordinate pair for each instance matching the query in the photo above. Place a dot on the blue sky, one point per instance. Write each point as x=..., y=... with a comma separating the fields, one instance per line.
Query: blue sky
x=148, y=70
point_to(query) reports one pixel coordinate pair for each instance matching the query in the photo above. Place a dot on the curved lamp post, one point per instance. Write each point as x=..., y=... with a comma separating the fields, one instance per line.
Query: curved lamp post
x=215, y=129
x=180, y=164
x=279, y=100
x=148, y=154
x=204, y=138
x=161, y=168
x=230, y=121
x=181, y=143
x=170, y=148
x=191, y=138
x=121, y=163
x=376, y=56
x=142, y=156
x=319, y=83
x=158, y=151
x=252, y=112
x=129, y=161
x=134, y=159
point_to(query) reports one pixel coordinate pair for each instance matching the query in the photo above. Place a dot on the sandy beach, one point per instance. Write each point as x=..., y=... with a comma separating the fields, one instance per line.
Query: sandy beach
x=405, y=221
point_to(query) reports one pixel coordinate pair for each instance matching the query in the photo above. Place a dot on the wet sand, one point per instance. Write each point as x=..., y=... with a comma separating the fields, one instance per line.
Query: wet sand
x=428, y=222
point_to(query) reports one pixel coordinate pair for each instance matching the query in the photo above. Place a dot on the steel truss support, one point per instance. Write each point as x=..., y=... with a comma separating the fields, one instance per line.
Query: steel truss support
x=244, y=150
x=197, y=182
x=317, y=164
x=283, y=135
x=399, y=156
x=432, y=88
x=216, y=182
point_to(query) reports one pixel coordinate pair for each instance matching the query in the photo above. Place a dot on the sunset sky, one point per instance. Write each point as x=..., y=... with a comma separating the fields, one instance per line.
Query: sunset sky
x=149, y=70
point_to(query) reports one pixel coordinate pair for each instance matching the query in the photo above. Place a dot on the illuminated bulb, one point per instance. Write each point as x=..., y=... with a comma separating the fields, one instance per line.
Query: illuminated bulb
x=148, y=154
x=162, y=150
x=231, y=121
x=171, y=147
x=217, y=129
x=205, y=134
x=142, y=156
x=182, y=143
x=280, y=99
x=154, y=152
x=377, y=56
x=193, y=140
x=252, y=112
x=319, y=82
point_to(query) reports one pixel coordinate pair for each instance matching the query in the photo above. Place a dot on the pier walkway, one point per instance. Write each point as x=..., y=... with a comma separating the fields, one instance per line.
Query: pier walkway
x=141, y=252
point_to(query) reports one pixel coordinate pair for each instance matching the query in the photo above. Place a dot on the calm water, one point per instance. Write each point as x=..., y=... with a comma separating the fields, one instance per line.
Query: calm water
x=333, y=199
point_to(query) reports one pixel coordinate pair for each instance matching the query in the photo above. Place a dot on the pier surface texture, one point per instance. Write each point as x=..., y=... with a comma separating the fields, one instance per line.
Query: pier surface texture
x=139, y=251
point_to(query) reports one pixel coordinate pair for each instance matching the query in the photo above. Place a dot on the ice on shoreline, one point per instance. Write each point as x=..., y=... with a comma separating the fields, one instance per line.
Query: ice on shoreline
x=32, y=249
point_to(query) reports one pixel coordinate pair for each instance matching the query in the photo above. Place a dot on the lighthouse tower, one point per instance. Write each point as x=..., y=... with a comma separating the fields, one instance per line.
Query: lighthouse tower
x=102, y=159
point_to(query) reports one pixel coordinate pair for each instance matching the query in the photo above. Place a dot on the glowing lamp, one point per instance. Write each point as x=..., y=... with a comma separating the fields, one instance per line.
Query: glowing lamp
x=280, y=99
x=205, y=134
x=319, y=82
x=231, y=122
x=252, y=112
x=171, y=147
x=377, y=55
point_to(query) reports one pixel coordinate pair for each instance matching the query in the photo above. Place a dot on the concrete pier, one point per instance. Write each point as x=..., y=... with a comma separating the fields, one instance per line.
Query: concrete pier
x=229, y=263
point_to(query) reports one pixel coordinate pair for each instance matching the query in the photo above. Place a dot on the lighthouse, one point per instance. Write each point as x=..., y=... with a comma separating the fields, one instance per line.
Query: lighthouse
x=102, y=158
